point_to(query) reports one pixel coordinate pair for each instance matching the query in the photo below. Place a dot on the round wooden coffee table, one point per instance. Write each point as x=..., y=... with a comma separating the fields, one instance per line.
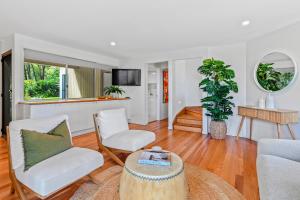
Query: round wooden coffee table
x=150, y=182
x=202, y=184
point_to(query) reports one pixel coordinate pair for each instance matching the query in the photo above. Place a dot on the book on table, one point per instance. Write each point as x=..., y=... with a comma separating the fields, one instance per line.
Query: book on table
x=150, y=157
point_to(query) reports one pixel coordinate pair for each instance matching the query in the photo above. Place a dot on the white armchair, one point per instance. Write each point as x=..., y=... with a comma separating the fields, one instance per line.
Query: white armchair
x=114, y=136
x=54, y=173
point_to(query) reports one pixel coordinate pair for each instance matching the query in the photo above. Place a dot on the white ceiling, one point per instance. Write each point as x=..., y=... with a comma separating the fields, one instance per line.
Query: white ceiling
x=144, y=26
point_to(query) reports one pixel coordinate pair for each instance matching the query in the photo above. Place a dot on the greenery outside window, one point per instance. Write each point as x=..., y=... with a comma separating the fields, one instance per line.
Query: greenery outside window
x=41, y=81
x=47, y=81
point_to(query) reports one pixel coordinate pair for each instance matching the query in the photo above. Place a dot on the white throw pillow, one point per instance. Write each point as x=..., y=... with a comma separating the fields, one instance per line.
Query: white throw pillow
x=112, y=122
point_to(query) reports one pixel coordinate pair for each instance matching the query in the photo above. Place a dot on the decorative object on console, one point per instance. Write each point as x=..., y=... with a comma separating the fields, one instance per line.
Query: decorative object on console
x=262, y=102
x=218, y=84
x=270, y=103
x=114, y=90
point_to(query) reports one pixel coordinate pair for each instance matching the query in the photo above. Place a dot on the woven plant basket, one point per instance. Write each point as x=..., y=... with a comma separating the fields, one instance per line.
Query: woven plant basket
x=218, y=129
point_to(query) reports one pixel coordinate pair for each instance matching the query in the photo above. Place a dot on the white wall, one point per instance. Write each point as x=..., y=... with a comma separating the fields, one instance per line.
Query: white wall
x=80, y=114
x=138, y=95
x=152, y=93
x=242, y=57
x=234, y=55
x=170, y=58
x=186, y=91
x=231, y=54
x=59, y=59
x=6, y=44
x=21, y=42
x=179, y=90
x=187, y=80
x=286, y=40
x=193, y=77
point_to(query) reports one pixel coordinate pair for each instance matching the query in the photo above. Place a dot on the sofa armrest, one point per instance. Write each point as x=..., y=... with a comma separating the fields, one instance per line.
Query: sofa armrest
x=289, y=149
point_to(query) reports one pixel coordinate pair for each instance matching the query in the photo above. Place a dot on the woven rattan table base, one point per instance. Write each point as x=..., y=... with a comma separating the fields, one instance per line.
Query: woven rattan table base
x=202, y=185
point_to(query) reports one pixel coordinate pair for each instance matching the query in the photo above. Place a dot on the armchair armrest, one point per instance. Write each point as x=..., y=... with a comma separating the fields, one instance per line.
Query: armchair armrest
x=289, y=149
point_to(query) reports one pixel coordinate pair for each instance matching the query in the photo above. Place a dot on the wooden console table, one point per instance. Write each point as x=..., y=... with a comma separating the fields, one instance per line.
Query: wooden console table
x=277, y=116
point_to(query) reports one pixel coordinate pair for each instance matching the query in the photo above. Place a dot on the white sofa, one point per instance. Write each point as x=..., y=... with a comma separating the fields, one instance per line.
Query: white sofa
x=278, y=169
x=56, y=172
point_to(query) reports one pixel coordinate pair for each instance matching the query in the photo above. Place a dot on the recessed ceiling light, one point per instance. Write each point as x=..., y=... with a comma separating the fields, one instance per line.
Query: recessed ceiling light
x=112, y=43
x=245, y=23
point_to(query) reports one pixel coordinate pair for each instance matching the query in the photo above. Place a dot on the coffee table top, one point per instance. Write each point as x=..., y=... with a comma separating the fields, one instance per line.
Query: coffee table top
x=153, y=172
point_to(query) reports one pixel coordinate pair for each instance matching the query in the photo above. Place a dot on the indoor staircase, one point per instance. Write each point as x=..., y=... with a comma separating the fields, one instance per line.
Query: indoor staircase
x=189, y=119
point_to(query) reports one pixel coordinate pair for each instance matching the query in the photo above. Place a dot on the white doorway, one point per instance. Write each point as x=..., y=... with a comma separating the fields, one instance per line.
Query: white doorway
x=184, y=86
x=157, y=99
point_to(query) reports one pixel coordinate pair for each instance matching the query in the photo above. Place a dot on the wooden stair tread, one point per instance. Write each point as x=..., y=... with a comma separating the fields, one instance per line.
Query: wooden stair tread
x=188, y=128
x=189, y=119
x=188, y=122
x=188, y=125
x=187, y=116
x=195, y=109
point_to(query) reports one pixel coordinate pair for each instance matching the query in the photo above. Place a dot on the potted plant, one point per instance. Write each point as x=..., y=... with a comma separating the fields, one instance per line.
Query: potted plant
x=113, y=90
x=218, y=83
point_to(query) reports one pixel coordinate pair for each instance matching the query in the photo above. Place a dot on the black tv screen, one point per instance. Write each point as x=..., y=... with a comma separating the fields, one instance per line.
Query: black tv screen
x=130, y=77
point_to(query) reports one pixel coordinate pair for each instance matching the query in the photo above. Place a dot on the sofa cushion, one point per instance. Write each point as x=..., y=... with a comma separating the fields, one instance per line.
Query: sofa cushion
x=60, y=170
x=41, y=125
x=289, y=149
x=130, y=140
x=278, y=178
x=40, y=146
x=112, y=122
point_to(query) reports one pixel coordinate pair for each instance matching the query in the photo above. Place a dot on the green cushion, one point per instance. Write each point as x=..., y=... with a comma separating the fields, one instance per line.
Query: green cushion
x=41, y=146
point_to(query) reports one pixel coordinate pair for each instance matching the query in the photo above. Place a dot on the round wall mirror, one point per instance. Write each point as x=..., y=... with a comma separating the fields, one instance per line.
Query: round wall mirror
x=275, y=72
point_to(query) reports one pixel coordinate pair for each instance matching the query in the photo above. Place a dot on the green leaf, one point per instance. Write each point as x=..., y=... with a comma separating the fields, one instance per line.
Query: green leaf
x=218, y=83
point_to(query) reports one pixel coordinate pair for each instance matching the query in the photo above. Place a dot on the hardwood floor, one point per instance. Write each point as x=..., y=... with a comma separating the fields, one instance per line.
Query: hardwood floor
x=232, y=160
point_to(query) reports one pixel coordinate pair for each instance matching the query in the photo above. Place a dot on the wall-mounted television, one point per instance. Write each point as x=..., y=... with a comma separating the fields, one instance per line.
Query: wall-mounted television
x=129, y=77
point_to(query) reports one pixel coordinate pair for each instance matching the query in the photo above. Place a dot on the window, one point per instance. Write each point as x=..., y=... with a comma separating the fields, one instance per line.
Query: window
x=46, y=81
x=42, y=81
x=81, y=82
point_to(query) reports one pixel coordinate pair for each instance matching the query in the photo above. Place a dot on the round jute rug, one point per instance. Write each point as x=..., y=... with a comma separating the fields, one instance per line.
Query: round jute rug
x=202, y=185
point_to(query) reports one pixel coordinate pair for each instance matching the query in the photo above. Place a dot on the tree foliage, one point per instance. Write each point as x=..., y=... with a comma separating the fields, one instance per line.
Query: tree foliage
x=41, y=81
x=270, y=79
x=218, y=83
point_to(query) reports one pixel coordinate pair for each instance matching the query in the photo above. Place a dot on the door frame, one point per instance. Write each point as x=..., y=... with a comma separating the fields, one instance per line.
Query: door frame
x=159, y=88
x=6, y=53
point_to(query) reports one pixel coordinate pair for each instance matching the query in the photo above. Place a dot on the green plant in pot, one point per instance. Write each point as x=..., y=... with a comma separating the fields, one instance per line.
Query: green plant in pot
x=218, y=84
x=114, y=91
